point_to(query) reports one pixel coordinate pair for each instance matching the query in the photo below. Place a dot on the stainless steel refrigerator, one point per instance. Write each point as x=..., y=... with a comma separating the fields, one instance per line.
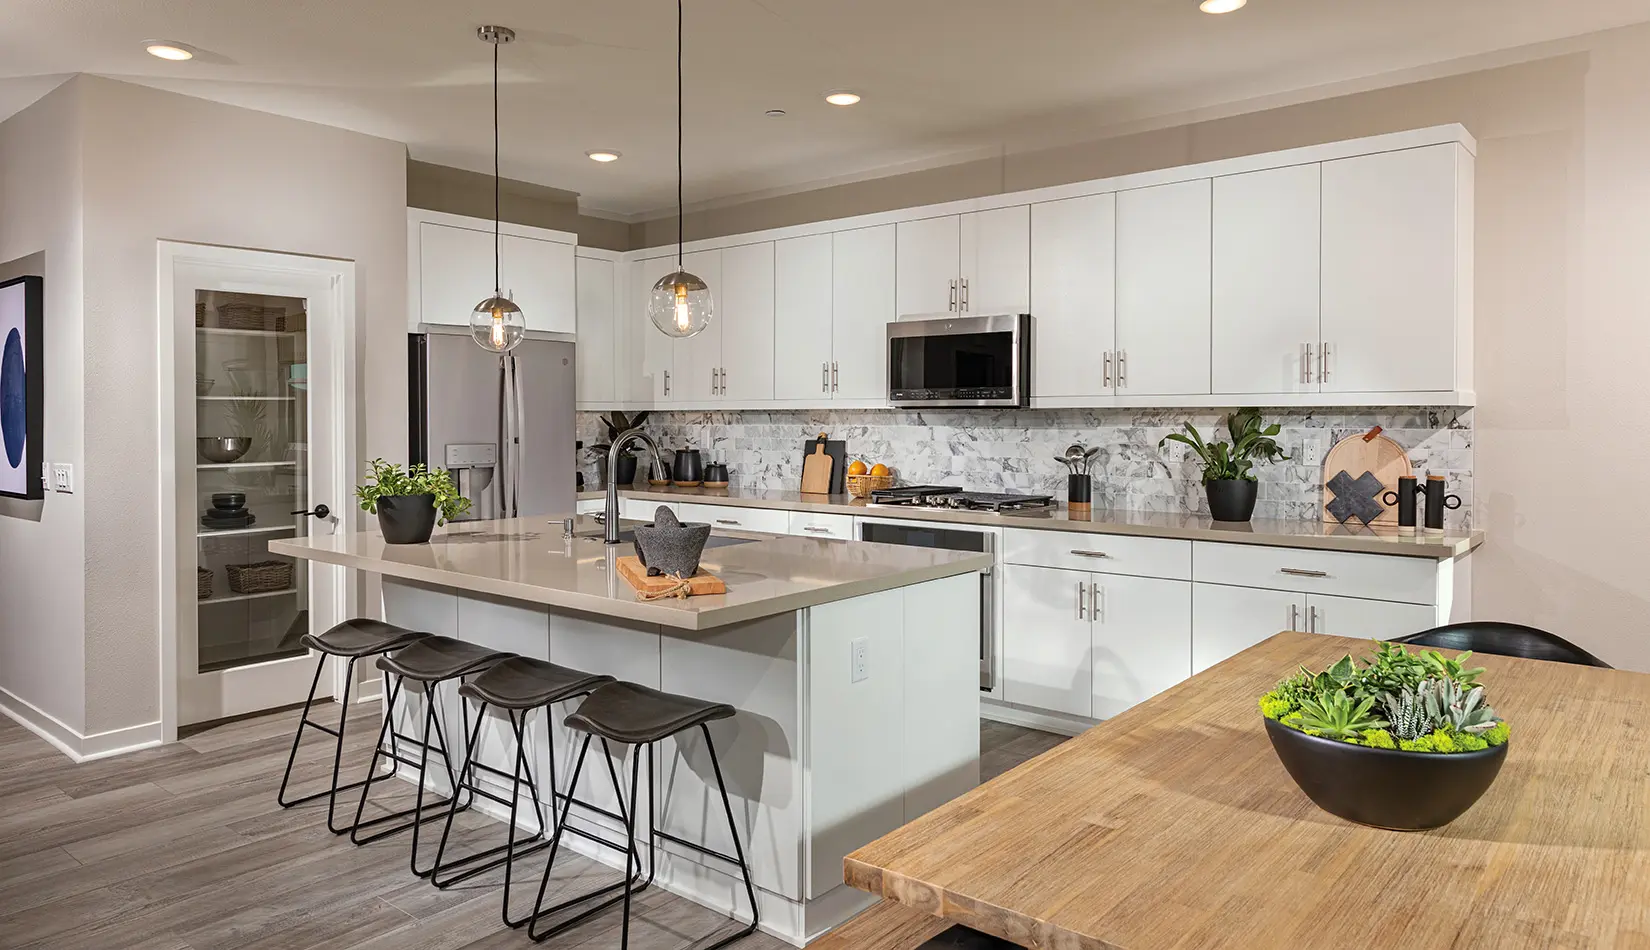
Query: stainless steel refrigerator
x=501, y=425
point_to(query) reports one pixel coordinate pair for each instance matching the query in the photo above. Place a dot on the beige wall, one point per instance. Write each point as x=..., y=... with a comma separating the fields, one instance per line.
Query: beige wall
x=159, y=165
x=1563, y=303
x=42, y=560
x=456, y=191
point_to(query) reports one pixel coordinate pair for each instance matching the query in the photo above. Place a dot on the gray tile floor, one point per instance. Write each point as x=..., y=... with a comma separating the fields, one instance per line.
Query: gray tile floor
x=183, y=848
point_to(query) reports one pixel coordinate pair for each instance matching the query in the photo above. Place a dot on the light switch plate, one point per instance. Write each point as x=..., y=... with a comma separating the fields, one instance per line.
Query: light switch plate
x=62, y=477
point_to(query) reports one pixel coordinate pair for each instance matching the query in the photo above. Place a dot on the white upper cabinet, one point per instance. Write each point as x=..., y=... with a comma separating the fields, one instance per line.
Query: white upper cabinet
x=929, y=259
x=996, y=261
x=454, y=271
x=657, y=350
x=1073, y=296
x=597, y=343
x=746, y=309
x=1396, y=271
x=1264, y=327
x=862, y=305
x=698, y=358
x=1163, y=238
x=802, y=318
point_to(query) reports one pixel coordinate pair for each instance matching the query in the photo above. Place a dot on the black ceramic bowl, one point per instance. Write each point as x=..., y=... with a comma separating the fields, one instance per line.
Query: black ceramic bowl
x=229, y=500
x=1387, y=788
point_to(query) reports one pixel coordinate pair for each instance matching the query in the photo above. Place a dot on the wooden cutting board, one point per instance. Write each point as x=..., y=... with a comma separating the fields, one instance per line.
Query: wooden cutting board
x=1366, y=452
x=816, y=470
x=631, y=569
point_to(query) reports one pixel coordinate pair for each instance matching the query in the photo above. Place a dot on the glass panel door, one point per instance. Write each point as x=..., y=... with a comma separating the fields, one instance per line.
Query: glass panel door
x=251, y=475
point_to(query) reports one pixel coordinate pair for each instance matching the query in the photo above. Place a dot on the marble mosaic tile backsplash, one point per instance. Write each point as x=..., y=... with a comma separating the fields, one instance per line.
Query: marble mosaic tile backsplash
x=1014, y=450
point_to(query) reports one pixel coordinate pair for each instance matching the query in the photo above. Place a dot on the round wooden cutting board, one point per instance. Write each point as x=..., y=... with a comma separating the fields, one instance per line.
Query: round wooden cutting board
x=1366, y=452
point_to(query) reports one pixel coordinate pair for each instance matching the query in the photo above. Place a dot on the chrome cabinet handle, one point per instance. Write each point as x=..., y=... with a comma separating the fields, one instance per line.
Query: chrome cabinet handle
x=1122, y=368
x=1082, y=601
x=722, y=381
x=1097, y=603
x=1323, y=362
x=1105, y=372
x=1089, y=553
x=1306, y=363
x=1294, y=616
x=964, y=306
x=713, y=382
x=726, y=521
x=667, y=382
x=1311, y=619
x=1301, y=572
x=833, y=376
x=825, y=377
x=953, y=304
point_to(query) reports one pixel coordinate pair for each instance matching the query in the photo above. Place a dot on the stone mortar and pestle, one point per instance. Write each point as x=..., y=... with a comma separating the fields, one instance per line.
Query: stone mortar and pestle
x=669, y=547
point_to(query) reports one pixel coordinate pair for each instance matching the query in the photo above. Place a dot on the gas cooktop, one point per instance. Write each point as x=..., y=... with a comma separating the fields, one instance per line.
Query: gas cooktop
x=946, y=496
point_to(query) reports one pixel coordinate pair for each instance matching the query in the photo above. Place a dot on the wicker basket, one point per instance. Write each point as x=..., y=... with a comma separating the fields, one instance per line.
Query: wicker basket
x=261, y=577
x=200, y=314
x=203, y=583
x=247, y=316
x=860, y=486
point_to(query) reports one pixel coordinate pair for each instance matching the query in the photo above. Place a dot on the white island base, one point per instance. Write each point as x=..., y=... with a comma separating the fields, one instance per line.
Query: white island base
x=820, y=759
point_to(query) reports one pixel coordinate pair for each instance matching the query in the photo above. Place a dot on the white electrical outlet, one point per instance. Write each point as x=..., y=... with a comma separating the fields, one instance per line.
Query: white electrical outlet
x=1312, y=451
x=861, y=659
x=62, y=477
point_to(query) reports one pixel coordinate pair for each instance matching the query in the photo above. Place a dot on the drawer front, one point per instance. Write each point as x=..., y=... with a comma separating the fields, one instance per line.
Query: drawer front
x=1100, y=553
x=640, y=509
x=769, y=520
x=1410, y=580
x=810, y=525
x=590, y=506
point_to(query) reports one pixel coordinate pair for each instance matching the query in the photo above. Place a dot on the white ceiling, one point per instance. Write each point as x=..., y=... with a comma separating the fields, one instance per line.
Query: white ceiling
x=942, y=79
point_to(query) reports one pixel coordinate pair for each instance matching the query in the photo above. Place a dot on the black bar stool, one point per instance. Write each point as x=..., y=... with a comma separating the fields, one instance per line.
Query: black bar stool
x=352, y=640
x=635, y=715
x=430, y=661
x=518, y=686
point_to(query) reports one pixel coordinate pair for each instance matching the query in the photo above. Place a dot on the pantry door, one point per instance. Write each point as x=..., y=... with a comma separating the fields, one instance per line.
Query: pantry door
x=257, y=405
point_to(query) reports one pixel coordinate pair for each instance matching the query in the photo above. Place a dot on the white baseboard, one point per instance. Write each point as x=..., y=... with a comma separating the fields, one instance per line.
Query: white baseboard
x=1035, y=718
x=71, y=742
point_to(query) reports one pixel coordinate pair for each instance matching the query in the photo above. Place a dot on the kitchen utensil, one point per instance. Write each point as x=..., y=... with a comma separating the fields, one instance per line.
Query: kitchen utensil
x=689, y=468
x=1404, y=498
x=1355, y=497
x=1437, y=501
x=635, y=573
x=222, y=450
x=1088, y=459
x=1369, y=452
x=668, y=546
x=817, y=468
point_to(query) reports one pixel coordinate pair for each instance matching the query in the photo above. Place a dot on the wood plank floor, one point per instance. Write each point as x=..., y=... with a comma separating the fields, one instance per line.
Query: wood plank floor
x=183, y=848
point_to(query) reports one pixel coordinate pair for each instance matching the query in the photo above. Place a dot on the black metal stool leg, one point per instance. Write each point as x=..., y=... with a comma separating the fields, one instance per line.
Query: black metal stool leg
x=418, y=818
x=468, y=767
x=298, y=737
x=627, y=883
x=630, y=831
x=738, y=850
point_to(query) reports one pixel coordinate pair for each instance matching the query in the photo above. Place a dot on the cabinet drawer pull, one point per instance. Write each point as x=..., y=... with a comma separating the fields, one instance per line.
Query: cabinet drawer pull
x=1090, y=553
x=726, y=521
x=816, y=529
x=1301, y=572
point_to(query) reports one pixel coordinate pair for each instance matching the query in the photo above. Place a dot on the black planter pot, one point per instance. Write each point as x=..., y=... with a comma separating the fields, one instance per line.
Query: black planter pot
x=1231, y=499
x=1386, y=788
x=406, y=519
x=626, y=474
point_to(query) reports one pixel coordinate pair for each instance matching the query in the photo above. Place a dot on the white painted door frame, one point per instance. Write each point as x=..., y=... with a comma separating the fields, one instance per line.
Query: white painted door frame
x=332, y=281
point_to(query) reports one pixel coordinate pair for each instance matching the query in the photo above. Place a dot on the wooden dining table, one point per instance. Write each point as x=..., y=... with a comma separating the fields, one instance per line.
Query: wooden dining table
x=1175, y=825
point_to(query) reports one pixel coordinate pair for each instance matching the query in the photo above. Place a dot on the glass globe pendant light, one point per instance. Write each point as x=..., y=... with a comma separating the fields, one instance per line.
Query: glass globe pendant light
x=681, y=304
x=496, y=323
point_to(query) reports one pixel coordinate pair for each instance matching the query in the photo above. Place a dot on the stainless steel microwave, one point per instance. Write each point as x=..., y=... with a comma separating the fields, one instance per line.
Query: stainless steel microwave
x=960, y=361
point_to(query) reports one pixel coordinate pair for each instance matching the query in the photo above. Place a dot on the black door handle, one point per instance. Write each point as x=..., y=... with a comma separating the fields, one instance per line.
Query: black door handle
x=321, y=511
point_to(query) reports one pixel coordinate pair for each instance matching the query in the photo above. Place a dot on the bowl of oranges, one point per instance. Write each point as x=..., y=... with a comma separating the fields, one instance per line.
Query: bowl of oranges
x=863, y=479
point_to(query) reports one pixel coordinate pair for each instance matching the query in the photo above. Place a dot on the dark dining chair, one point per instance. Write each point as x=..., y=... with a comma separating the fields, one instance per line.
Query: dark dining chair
x=1505, y=639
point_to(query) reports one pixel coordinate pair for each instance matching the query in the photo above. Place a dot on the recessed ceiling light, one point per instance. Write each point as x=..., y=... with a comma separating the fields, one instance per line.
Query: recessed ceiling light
x=171, y=51
x=1221, y=6
x=849, y=98
x=602, y=155
x=775, y=113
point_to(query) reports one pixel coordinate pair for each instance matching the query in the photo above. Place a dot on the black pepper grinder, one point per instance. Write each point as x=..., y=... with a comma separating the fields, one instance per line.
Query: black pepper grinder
x=1437, y=502
x=1404, y=498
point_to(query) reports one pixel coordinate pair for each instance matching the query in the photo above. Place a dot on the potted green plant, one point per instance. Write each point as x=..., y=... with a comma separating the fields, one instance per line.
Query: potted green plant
x=409, y=503
x=618, y=423
x=1228, y=476
x=1406, y=741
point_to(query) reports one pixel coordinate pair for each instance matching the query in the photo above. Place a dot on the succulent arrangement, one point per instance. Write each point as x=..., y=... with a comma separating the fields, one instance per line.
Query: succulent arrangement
x=1414, y=702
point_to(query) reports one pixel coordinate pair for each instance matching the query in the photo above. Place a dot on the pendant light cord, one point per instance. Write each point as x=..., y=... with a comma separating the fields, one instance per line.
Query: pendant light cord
x=498, y=289
x=680, y=212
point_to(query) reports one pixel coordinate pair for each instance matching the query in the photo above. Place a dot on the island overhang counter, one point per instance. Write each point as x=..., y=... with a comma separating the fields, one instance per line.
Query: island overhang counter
x=854, y=668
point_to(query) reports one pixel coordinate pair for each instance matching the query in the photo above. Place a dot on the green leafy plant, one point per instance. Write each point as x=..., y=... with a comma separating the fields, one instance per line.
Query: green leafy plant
x=1431, y=703
x=1224, y=461
x=389, y=480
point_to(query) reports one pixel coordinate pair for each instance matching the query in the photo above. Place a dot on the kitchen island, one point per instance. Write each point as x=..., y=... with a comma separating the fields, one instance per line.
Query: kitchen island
x=854, y=668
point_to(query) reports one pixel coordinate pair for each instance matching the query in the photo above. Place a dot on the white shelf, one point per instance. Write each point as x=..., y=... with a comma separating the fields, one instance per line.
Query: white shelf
x=235, y=597
x=232, y=532
x=233, y=465
x=226, y=331
x=245, y=398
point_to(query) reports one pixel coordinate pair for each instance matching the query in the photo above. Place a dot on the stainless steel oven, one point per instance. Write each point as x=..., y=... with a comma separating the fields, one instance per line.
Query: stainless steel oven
x=948, y=537
x=960, y=361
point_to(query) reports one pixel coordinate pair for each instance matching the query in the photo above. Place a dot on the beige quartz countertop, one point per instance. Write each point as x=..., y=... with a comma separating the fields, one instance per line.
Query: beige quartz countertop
x=528, y=559
x=1311, y=535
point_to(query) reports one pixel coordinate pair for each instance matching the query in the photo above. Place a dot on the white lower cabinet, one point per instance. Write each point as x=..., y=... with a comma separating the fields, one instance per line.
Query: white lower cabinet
x=809, y=524
x=1046, y=639
x=1142, y=639
x=1367, y=619
x=1228, y=620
